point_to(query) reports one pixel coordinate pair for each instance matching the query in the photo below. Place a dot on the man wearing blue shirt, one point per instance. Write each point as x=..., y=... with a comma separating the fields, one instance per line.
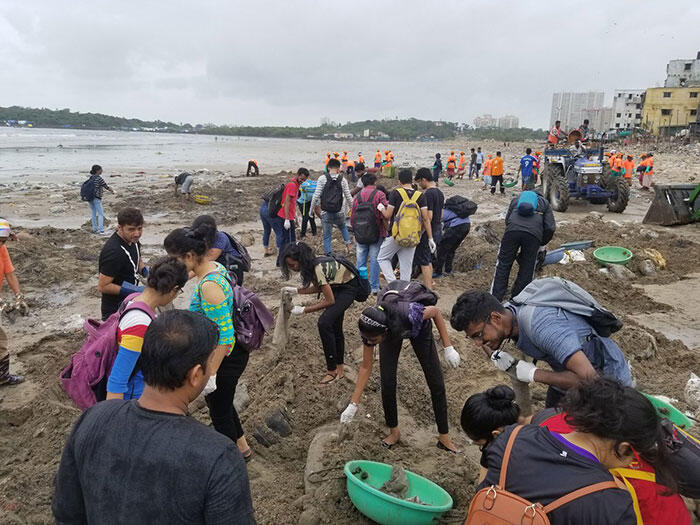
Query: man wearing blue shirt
x=527, y=162
x=565, y=341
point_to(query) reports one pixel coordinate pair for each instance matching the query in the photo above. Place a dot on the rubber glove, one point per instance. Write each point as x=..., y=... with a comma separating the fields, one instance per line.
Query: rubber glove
x=291, y=290
x=502, y=360
x=381, y=207
x=432, y=245
x=210, y=386
x=21, y=304
x=348, y=414
x=298, y=310
x=128, y=288
x=525, y=371
x=451, y=356
x=287, y=224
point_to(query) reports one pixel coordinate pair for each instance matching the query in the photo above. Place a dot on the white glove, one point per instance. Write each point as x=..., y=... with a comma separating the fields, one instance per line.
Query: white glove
x=432, y=245
x=381, y=207
x=298, y=310
x=348, y=414
x=451, y=356
x=287, y=224
x=502, y=360
x=525, y=371
x=210, y=386
x=291, y=290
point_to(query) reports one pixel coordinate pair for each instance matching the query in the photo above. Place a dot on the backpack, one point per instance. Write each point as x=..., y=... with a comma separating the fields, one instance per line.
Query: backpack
x=87, y=190
x=85, y=378
x=407, y=221
x=251, y=318
x=245, y=262
x=332, y=194
x=494, y=505
x=364, y=221
x=461, y=206
x=527, y=203
x=274, y=201
x=364, y=289
x=399, y=291
x=560, y=293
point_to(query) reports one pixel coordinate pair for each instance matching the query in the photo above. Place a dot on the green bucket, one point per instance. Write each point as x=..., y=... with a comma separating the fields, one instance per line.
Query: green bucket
x=612, y=255
x=670, y=412
x=388, y=510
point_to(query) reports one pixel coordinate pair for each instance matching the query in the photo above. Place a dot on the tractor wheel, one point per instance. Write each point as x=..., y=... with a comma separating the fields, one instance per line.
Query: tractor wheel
x=558, y=188
x=606, y=176
x=618, y=202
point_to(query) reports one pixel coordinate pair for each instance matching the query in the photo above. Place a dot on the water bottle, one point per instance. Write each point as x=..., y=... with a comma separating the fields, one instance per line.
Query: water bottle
x=363, y=272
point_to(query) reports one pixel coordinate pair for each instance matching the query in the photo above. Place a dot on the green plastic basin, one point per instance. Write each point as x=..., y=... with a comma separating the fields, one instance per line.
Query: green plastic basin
x=510, y=182
x=612, y=255
x=388, y=510
x=668, y=411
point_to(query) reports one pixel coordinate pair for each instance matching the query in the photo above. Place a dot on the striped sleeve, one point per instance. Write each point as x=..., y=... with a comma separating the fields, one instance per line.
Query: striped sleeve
x=130, y=333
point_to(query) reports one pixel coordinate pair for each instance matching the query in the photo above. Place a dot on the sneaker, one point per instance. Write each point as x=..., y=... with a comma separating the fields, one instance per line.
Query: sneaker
x=436, y=275
x=11, y=380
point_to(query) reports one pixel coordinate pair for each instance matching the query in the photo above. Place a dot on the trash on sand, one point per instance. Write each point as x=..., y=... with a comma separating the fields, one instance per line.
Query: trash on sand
x=397, y=485
x=691, y=392
x=656, y=256
x=571, y=256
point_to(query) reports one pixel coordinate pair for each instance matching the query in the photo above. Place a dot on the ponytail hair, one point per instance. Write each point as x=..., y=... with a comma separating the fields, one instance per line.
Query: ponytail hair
x=487, y=411
x=182, y=241
x=167, y=274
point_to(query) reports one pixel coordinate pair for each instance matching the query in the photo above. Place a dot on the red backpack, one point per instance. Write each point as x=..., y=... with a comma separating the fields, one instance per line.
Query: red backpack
x=85, y=378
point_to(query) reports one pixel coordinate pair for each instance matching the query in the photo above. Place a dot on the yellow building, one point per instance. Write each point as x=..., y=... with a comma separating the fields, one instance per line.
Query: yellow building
x=668, y=110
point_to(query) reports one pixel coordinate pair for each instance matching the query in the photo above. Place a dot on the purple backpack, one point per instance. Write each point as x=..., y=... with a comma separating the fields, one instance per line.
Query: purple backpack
x=85, y=378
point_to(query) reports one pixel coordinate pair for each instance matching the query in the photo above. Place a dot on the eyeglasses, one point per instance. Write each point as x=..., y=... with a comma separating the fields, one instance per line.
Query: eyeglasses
x=480, y=334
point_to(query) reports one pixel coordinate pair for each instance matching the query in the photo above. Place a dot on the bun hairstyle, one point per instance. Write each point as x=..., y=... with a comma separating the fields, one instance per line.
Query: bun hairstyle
x=487, y=411
x=185, y=240
x=95, y=168
x=209, y=221
x=167, y=274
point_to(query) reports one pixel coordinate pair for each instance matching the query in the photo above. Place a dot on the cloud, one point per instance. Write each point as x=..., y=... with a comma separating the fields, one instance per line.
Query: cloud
x=273, y=62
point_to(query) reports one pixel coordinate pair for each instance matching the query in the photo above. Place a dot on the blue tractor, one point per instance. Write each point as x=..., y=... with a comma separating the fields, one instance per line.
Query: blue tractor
x=581, y=174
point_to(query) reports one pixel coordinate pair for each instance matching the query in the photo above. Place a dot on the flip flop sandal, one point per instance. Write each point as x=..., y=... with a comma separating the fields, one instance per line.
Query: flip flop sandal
x=389, y=445
x=441, y=446
x=333, y=377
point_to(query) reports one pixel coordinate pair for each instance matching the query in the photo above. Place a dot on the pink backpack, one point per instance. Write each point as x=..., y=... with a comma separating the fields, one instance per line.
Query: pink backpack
x=85, y=378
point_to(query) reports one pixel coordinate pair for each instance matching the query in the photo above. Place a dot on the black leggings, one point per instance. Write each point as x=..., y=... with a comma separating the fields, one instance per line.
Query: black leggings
x=424, y=348
x=306, y=218
x=447, y=247
x=330, y=324
x=220, y=402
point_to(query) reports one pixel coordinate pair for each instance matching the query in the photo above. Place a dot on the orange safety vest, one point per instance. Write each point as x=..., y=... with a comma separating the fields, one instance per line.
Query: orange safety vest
x=388, y=159
x=617, y=164
x=344, y=158
x=361, y=159
x=629, y=168
x=487, y=166
x=378, y=157
x=451, y=162
x=462, y=162
x=351, y=163
x=554, y=135
x=497, y=166
x=650, y=164
x=327, y=159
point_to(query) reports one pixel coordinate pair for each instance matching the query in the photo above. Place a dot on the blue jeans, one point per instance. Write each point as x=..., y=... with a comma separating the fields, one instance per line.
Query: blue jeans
x=370, y=251
x=329, y=219
x=267, y=227
x=282, y=237
x=96, y=215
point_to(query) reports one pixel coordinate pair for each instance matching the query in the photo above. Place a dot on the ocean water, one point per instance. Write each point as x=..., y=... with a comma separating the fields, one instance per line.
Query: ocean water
x=64, y=155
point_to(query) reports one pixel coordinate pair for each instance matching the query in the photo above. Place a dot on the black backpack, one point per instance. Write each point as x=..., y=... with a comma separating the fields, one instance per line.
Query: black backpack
x=274, y=201
x=364, y=221
x=87, y=190
x=461, y=206
x=238, y=246
x=364, y=290
x=332, y=194
x=405, y=292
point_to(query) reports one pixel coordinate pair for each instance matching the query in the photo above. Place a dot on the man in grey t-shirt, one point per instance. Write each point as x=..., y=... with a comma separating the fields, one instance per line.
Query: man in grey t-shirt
x=565, y=341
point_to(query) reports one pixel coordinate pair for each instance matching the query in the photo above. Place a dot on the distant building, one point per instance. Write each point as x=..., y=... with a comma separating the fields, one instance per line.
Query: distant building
x=668, y=110
x=598, y=119
x=683, y=73
x=365, y=133
x=508, y=122
x=568, y=107
x=627, y=108
x=486, y=121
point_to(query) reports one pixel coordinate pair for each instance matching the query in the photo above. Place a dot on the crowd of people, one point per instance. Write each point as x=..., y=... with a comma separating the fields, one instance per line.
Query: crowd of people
x=595, y=428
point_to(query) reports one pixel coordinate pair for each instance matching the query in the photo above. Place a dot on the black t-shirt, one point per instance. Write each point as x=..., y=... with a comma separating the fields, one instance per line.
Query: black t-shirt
x=542, y=469
x=395, y=200
x=121, y=262
x=435, y=201
x=125, y=464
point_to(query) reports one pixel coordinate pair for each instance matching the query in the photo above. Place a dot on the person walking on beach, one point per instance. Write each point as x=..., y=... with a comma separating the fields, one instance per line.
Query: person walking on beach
x=527, y=164
x=497, y=174
x=306, y=193
x=337, y=284
x=479, y=162
x=93, y=190
x=472, y=164
x=330, y=198
x=462, y=165
x=400, y=315
x=7, y=271
x=437, y=168
x=120, y=262
x=487, y=172
x=165, y=281
x=378, y=159
x=213, y=297
x=148, y=460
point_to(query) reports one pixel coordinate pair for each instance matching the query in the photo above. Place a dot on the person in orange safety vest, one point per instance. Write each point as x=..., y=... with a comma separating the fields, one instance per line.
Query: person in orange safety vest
x=556, y=134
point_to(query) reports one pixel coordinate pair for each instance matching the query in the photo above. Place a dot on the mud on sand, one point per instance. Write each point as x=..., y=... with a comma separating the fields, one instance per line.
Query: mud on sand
x=36, y=417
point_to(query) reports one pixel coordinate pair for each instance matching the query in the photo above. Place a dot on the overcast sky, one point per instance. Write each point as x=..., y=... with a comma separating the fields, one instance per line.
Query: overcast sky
x=293, y=62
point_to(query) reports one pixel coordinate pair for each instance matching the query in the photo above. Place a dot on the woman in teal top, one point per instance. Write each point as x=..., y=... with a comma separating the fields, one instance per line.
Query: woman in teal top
x=213, y=297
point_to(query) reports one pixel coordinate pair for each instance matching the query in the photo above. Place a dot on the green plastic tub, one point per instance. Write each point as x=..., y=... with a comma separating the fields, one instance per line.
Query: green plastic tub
x=668, y=411
x=510, y=182
x=388, y=510
x=612, y=255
